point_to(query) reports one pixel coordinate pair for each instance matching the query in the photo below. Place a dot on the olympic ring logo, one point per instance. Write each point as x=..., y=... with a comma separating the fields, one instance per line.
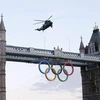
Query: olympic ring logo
x=56, y=73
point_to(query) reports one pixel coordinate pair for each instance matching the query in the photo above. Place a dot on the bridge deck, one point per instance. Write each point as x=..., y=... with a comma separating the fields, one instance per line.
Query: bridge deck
x=33, y=55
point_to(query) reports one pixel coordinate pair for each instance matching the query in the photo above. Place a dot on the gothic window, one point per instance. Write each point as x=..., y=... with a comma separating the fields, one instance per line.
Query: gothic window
x=96, y=46
x=92, y=75
x=90, y=50
x=93, y=86
x=86, y=50
x=90, y=90
x=98, y=89
x=98, y=74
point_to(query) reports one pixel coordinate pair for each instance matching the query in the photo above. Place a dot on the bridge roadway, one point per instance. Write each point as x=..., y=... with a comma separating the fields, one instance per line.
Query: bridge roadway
x=56, y=56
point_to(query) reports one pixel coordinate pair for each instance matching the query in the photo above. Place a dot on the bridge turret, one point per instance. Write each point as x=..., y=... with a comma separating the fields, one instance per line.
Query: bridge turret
x=2, y=60
x=94, y=43
x=82, y=50
x=2, y=27
x=57, y=52
x=91, y=73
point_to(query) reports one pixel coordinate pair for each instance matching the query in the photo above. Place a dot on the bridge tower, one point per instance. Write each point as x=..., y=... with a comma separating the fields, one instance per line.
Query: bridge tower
x=91, y=73
x=2, y=60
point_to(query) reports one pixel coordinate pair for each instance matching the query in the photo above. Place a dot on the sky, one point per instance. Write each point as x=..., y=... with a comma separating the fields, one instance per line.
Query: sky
x=71, y=20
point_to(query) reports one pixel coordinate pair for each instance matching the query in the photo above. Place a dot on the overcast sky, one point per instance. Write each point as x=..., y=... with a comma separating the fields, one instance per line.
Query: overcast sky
x=71, y=19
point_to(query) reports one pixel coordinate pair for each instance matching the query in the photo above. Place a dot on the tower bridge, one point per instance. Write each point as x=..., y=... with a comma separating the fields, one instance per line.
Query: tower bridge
x=33, y=55
x=88, y=59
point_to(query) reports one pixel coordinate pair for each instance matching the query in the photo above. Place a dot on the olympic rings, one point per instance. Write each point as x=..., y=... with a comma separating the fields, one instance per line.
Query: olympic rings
x=68, y=63
x=58, y=71
x=46, y=74
x=54, y=71
x=41, y=63
x=59, y=76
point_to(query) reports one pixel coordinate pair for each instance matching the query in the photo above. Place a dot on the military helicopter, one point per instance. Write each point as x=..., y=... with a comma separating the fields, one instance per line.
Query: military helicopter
x=47, y=24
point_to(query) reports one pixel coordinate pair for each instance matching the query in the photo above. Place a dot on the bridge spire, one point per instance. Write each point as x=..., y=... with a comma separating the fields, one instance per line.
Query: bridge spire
x=2, y=27
x=82, y=50
x=95, y=27
x=81, y=45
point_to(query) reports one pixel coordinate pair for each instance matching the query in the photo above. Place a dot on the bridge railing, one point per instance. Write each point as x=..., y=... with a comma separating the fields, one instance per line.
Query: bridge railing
x=71, y=54
x=55, y=52
x=40, y=51
x=17, y=49
x=29, y=50
x=91, y=57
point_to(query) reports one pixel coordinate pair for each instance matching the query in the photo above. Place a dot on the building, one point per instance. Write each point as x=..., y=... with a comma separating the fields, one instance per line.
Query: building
x=91, y=73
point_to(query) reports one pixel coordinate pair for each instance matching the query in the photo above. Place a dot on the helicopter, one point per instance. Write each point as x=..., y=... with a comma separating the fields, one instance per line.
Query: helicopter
x=47, y=23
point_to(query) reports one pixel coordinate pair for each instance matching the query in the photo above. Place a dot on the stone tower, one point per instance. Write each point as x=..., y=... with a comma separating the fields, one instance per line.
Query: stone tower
x=2, y=60
x=91, y=73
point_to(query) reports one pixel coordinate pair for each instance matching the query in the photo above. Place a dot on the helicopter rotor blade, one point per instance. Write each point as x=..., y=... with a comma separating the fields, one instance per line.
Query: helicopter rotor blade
x=38, y=23
x=40, y=20
x=49, y=17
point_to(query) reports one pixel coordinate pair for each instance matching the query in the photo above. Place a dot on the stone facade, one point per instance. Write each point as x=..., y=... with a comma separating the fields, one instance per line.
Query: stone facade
x=91, y=73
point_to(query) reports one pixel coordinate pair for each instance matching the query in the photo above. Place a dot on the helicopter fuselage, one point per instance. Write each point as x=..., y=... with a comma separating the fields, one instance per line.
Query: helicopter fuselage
x=46, y=25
